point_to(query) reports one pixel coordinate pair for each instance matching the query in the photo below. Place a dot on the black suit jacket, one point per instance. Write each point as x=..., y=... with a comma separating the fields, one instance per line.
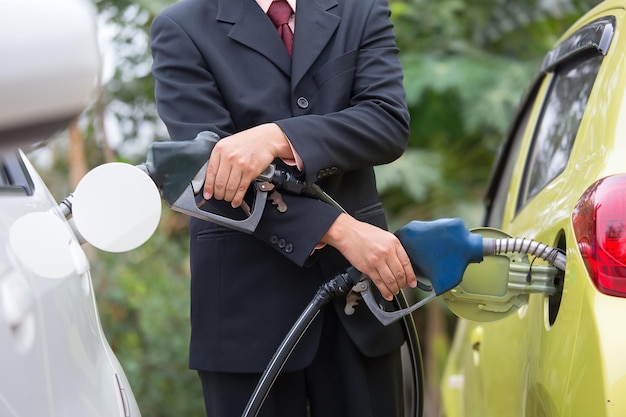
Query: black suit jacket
x=220, y=66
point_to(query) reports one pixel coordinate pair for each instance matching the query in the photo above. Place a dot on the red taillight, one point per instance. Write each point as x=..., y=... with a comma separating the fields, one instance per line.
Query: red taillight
x=599, y=221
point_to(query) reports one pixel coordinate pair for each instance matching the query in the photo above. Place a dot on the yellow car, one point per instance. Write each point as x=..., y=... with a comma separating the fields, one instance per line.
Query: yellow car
x=560, y=178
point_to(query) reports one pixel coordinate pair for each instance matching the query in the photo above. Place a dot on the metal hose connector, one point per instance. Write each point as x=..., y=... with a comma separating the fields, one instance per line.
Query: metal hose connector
x=492, y=246
x=65, y=206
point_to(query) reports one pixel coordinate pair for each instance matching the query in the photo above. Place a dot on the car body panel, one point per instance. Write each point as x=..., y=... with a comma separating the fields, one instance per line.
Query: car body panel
x=532, y=364
x=54, y=355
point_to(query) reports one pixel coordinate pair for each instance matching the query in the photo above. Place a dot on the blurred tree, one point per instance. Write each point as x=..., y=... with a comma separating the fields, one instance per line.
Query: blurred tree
x=466, y=67
x=143, y=301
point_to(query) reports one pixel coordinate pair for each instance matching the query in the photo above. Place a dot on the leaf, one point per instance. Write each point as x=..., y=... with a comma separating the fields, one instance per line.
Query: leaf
x=415, y=172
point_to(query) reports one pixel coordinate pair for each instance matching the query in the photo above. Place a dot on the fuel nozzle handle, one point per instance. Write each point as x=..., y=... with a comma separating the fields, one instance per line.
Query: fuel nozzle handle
x=440, y=250
x=173, y=165
x=178, y=170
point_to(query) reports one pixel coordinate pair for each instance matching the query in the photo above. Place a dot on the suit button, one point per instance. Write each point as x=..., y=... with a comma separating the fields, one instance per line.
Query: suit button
x=303, y=103
x=333, y=170
x=273, y=239
x=282, y=243
x=289, y=248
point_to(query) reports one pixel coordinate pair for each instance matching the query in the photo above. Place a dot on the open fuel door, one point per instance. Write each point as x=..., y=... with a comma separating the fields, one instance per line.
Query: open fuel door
x=499, y=285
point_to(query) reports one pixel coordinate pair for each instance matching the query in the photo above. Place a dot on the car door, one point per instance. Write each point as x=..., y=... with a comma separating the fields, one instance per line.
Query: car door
x=54, y=357
x=520, y=365
x=539, y=206
x=22, y=355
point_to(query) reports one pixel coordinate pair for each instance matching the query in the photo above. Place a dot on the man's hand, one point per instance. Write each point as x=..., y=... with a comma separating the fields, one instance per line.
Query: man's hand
x=375, y=252
x=238, y=159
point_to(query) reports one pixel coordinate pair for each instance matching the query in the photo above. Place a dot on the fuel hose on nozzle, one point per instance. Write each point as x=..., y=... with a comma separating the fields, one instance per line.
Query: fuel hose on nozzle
x=493, y=246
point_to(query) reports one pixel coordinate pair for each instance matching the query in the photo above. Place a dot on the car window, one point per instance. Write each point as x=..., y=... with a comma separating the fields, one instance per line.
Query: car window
x=558, y=124
x=14, y=177
x=573, y=64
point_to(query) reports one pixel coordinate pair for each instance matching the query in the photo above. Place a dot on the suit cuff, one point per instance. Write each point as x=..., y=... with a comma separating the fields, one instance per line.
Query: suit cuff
x=296, y=232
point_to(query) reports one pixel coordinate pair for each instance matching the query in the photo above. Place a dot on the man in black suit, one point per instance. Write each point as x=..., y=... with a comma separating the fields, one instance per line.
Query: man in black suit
x=329, y=113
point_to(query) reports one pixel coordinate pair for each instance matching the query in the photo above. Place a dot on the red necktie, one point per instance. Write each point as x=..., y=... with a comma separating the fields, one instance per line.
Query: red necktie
x=279, y=13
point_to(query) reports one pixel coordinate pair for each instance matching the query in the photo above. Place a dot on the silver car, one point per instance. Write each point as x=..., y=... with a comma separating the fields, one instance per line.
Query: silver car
x=54, y=357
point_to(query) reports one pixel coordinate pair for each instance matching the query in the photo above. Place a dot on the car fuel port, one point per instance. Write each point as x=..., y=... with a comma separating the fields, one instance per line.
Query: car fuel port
x=554, y=299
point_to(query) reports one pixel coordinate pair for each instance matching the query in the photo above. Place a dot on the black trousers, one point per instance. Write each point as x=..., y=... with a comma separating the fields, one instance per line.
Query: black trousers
x=340, y=382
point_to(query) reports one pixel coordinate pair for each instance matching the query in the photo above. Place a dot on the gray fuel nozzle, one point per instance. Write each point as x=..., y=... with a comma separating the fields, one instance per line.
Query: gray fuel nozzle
x=178, y=170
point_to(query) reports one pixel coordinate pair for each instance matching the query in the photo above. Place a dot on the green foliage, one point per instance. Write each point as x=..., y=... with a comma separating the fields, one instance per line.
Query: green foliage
x=477, y=87
x=460, y=108
x=153, y=6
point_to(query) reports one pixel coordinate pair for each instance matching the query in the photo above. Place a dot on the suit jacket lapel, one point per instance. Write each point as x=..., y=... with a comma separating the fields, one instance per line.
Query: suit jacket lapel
x=252, y=27
x=314, y=27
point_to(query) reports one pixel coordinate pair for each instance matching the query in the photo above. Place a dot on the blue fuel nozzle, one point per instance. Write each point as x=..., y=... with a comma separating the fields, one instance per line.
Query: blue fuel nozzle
x=441, y=250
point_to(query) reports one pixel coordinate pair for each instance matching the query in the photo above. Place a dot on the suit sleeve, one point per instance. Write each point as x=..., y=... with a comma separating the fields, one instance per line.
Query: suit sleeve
x=185, y=90
x=186, y=94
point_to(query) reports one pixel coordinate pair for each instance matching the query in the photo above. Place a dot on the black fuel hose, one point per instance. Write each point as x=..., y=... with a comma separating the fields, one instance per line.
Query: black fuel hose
x=340, y=285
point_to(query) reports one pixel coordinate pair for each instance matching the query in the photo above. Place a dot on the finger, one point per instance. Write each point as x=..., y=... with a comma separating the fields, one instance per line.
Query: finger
x=209, y=181
x=411, y=278
x=221, y=180
x=400, y=276
x=377, y=279
x=232, y=186
x=244, y=184
x=239, y=196
x=383, y=289
x=409, y=274
x=390, y=281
